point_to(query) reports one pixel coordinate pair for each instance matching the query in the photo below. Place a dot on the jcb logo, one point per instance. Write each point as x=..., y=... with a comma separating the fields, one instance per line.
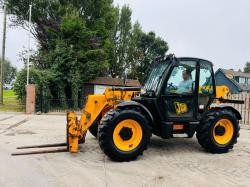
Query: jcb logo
x=180, y=108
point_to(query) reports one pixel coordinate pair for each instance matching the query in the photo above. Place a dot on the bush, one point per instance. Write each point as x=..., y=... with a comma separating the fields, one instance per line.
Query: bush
x=40, y=78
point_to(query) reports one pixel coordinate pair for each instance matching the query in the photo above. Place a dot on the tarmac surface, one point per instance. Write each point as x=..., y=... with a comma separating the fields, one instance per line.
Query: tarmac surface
x=173, y=162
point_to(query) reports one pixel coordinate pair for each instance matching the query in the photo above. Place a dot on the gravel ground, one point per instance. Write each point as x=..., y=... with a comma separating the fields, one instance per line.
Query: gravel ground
x=174, y=162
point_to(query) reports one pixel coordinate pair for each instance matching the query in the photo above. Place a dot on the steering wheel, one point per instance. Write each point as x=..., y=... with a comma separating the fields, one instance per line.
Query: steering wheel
x=171, y=87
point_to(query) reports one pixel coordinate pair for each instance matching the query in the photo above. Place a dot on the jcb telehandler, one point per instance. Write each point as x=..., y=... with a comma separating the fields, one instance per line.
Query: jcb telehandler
x=179, y=97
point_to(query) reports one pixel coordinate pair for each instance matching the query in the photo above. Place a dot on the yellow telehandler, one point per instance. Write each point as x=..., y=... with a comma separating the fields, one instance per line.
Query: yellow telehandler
x=179, y=97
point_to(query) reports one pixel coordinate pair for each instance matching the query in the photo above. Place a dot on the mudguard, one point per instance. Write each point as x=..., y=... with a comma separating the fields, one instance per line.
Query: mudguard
x=134, y=103
x=223, y=106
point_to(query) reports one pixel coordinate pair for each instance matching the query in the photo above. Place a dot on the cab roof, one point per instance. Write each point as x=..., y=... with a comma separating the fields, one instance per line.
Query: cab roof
x=194, y=59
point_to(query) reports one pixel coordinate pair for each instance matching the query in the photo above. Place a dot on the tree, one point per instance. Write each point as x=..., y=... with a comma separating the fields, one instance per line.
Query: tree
x=72, y=59
x=47, y=15
x=9, y=72
x=134, y=49
x=145, y=47
x=247, y=67
x=74, y=41
x=119, y=61
x=75, y=59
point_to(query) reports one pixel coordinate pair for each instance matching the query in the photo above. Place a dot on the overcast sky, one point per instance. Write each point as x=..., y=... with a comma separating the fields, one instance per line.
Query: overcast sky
x=215, y=30
x=16, y=42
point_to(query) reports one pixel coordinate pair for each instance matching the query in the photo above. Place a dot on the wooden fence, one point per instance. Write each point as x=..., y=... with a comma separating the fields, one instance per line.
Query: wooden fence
x=244, y=109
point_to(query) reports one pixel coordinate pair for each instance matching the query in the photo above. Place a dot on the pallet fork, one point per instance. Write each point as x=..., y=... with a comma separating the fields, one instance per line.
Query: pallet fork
x=74, y=136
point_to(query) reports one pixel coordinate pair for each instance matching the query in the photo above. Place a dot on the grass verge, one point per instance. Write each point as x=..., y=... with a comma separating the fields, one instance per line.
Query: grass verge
x=11, y=103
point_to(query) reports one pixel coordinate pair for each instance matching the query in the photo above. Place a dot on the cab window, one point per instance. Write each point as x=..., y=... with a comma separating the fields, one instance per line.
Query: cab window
x=206, y=81
x=182, y=79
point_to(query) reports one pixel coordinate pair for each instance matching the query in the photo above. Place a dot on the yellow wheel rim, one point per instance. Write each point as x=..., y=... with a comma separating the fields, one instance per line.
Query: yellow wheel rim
x=127, y=135
x=223, y=131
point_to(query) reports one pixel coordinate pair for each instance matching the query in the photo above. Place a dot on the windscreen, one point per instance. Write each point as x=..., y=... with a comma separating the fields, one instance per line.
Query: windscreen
x=155, y=76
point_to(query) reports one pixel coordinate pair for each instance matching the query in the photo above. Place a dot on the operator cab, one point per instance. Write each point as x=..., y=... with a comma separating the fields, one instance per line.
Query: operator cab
x=188, y=88
x=179, y=90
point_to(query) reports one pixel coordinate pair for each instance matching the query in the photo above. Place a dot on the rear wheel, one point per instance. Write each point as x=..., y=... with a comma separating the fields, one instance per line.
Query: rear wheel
x=219, y=131
x=94, y=128
x=124, y=134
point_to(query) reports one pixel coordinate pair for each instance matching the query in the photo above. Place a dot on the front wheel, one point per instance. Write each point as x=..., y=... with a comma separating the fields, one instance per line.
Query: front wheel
x=219, y=130
x=124, y=134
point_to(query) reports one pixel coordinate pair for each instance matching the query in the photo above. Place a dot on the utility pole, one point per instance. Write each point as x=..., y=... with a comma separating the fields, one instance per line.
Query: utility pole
x=3, y=54
x=28, y=63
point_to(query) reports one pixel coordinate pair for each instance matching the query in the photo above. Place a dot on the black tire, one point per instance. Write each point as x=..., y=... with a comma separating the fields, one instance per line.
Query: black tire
x=93, y=129
x=108, y=124
x=205, y=130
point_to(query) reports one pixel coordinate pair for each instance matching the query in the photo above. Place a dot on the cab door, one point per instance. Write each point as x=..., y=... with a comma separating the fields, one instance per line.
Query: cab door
x=179, y=91
x=207, y=91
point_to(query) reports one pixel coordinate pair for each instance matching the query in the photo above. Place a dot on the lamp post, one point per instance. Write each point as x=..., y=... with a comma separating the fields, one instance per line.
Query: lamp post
x=3, y=54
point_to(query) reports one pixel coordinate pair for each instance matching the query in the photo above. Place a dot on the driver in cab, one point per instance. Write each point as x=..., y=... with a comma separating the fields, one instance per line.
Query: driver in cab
x=185, y=86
